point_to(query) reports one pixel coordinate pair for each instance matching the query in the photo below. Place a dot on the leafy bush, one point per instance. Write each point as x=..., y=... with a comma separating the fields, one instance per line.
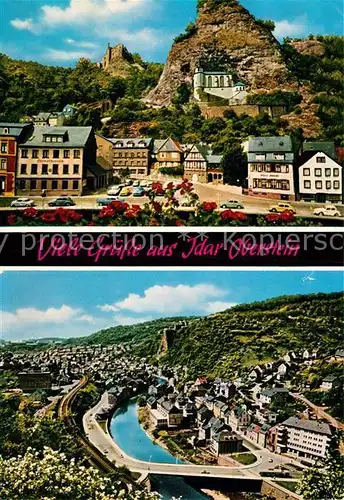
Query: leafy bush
x=190, y=30
x=174, y=171
x=288, y=99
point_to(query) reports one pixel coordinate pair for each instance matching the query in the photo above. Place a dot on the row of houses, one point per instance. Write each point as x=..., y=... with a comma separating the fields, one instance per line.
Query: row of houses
x=73, y=160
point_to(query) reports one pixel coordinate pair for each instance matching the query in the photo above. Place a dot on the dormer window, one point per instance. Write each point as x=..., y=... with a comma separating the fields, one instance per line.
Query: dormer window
x=130, y=144
x=48, y=138
x=279, y=156
x=6, y=131
x=118, y=144
x=142, y=144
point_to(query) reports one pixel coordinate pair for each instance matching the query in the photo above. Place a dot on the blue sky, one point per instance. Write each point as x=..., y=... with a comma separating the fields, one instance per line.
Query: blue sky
x=66, y=304
x=61, y=31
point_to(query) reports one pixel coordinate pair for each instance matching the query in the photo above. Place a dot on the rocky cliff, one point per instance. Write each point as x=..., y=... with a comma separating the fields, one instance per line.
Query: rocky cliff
x=118, y=61
x=229, y=33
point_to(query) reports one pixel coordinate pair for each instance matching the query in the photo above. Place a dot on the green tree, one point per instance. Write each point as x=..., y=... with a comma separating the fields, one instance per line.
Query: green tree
x=325, y=480
x=234, y=165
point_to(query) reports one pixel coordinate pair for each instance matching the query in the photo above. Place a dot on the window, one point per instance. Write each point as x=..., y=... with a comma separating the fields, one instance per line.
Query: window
x=336, y=172
x=56, y=153
x=75, y=184
x=318, y=184
x=307, y=184
x=66, y=153
x=60, y=138
x=35, y=153
x=335, y=184
x=260, y=157
x=327, y=172
x=23, y=169
x=22, y=184
x=45, y=153
x=44, y=168
x=54, y=185
x=6, y=131
x=75, y=169
x=33, y=184
x=321, y=159
x=279, y=156
x=53, y=138
x=44, y=184
x=24, y=153
x=65, y=169
x=76, y=153
x=317, y=172
x=34, y=169
x=55, y=169
x=3, y=164
x=47, y=138
x=328, y=184
x=4, y=147
x=64, y=184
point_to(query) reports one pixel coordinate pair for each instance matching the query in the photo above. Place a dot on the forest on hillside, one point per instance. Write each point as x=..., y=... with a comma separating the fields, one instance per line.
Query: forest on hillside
x=27, y=88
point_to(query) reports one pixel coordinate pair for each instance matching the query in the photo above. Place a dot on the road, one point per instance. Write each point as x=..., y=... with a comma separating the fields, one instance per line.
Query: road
x=206, y=192
x=319, y=411
x=105, y=444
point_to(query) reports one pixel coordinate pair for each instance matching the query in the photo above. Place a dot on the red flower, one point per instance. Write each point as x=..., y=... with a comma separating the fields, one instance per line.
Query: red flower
x=92, y=223
x=228, y=215
x=272, y=217
x=157, y=188
x=75, y=216
x=11, y=219
x=106, y=212
x=63, y=214
x=240, y=216
x=287, y=216
x=179, y=222
x=48, y=216
x=170, y=185
x=118, y=206
x=133, y=212
x=30, y=212
x=209, y=206
x=157, y=207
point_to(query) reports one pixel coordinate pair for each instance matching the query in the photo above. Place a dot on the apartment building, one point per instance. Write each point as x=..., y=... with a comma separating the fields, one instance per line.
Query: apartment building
x=134, y=155
x=320, y=175
x=56, y=159
x=10, y=135
x=271, y=167
x=304, y=438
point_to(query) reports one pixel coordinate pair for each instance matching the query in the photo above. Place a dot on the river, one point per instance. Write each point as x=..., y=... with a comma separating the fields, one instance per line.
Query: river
x=129, y=435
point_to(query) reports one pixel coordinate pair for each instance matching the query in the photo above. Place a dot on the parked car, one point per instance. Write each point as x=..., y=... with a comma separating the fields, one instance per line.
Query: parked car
x=328, y=211
x=282, y=207
x=22, y=203
x=139, y=192
x=128, y=182
x=62, y=202
x=126, y=191
x=114, y=190
x=104, y=202
x=231, y=204
x=136, y=184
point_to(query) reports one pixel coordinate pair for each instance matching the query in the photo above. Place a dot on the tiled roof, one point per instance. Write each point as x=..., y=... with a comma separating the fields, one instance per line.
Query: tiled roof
x=321, y=146
x=308, y=425
x=270, y=144
x=76, y=137
x=135, y=141
x=14, y=129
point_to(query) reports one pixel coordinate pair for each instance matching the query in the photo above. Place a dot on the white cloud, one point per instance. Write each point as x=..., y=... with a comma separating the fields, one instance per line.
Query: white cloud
x=218, y=306
x=84, y=12
x=146, y=37
x=84, y=45
x=293, y=28
x=130, y=320
x=30, y=318
x=24, y=24
x=30, y=315
x=66, y=55
x=165, y=299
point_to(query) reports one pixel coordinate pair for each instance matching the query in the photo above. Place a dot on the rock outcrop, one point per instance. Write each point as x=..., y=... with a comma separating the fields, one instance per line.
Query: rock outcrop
x=228, y=32
x=118, y=61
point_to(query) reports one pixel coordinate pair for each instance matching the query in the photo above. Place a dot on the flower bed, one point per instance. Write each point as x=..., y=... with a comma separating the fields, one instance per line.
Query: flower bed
x=155, y=212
